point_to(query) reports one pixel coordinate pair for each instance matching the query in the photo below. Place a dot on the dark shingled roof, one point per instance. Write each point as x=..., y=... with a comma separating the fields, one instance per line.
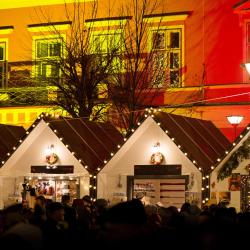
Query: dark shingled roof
x=200, y=139
x=92, y=142
x=9, y=137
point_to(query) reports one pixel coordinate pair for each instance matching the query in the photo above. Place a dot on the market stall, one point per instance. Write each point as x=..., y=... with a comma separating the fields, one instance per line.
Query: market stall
x=160, y=143
x=230, y=180
x=57, y=156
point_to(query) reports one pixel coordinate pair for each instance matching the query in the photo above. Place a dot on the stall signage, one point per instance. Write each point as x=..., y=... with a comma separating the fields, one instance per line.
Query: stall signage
x=58, y=169
x=157, y=169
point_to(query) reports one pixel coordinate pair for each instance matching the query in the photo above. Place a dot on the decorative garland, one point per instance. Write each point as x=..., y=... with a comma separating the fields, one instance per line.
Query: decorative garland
x=242, y=153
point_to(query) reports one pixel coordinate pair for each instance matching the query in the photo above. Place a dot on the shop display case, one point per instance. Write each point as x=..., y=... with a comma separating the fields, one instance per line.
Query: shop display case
x=69, y=187
x=54, y=188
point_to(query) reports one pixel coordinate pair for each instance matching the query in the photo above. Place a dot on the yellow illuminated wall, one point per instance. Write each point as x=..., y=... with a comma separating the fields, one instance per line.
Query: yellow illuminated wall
x=22, y=15
x=8, y=4
x=24, y=116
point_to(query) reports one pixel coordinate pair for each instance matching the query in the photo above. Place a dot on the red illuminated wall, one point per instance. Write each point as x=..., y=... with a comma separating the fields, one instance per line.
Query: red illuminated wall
x=214, y=48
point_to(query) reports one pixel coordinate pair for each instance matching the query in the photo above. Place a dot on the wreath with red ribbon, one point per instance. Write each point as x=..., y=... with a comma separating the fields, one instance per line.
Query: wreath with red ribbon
x=52, y=158
x=157, y=158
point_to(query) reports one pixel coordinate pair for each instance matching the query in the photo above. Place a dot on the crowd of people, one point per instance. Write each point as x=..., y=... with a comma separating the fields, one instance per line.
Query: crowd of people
x=130, y=224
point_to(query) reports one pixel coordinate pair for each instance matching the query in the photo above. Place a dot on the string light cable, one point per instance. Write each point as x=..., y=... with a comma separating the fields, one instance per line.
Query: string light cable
x=170, y=106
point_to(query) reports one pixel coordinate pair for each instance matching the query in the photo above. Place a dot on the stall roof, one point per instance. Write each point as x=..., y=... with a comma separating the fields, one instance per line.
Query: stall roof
x=200, y=139
x=9, y=137
x=242, y=6
x=92, y=143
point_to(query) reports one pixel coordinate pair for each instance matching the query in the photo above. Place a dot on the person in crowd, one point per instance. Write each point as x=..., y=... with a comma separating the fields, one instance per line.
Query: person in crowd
x=87, y=203
x=39, y=215
x=13, y=215
x=83, y=218
x=100, y=208
x=69, y=212
x=124, y=224
x=54, y=229
x=153, y=217
x=22, y=236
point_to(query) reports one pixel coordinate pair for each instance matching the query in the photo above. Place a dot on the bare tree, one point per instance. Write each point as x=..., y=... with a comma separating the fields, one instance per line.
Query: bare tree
x=78, y=69
x=132, y=68
x=141, y=76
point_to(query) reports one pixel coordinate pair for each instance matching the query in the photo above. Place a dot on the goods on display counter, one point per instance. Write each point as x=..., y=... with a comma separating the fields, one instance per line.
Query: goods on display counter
x=54, y=188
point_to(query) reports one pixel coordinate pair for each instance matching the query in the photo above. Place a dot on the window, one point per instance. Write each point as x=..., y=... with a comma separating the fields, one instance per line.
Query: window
x=108, y=46
x=166, y=45
x=47, y=55
x=247, y=76
x=105, y=43
x=248, y=42
x=3, y=65
x=2, y=51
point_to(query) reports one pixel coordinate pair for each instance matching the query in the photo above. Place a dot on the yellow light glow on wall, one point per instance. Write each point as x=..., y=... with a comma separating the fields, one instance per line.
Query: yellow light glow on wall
x=11, y=4
x=23, y=116
x=6, y=31
x=51, y=28
x=106, y=23
x=168, y=18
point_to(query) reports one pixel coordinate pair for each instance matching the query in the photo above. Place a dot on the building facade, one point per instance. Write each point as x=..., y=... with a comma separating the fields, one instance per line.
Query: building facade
x=200, y=47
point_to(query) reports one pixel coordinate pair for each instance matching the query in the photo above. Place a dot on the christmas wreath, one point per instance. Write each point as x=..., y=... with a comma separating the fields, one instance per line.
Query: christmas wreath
x=243, y=152
x=157, y=158
x=52, y=158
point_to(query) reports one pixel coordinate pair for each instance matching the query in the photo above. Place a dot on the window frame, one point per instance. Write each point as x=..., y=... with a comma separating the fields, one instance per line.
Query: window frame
x=4, y=62
x=167, y=30
x=35, y=59
x=108, y=33
x=246, y=48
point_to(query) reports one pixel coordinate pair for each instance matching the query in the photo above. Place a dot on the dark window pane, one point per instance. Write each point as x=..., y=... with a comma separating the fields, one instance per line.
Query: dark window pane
x=1, y=53
x=158, y=40
x=44, y=70
x=174, y=60
x=42, y=49
x=97, y=44
x=174, y=40
x=174, y=79
x=55, y=49
x=248, y=54
x=159, y=68
x=1, y=74
x=248, y=33
x=54, y=71
x=101, y=44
